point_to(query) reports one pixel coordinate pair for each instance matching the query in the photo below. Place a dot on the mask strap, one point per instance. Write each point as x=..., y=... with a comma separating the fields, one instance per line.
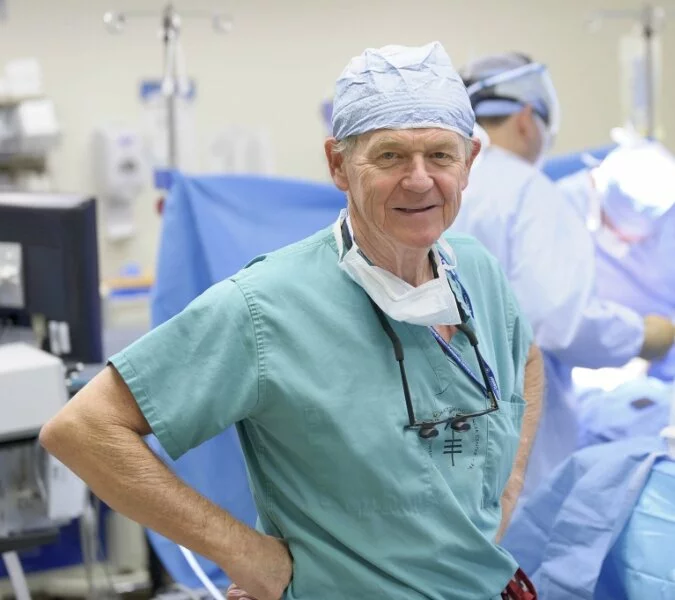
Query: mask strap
x=337, y=236
x=434, y=266
x=346, y=236
x=447, y=253
x=348, y=240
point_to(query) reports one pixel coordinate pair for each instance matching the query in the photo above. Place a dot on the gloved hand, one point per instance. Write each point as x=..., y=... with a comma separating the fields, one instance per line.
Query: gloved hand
x=659, y=337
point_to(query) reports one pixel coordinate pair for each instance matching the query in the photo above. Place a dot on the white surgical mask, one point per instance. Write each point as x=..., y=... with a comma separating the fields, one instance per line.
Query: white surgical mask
x=610, y=242
x=431, y=303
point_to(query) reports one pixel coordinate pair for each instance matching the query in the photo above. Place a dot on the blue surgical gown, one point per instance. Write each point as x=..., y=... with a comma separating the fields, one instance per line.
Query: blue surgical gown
x=643, y=279
x=547, y=253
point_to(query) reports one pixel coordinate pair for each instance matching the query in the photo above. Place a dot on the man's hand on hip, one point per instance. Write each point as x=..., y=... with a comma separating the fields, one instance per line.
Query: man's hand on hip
x=264, y=569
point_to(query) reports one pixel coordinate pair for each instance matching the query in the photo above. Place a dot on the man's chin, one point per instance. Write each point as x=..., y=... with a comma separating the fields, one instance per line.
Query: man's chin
x=420, y=240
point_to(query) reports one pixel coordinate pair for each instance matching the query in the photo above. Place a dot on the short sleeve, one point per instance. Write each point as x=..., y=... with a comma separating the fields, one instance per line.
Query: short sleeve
x=198, y=373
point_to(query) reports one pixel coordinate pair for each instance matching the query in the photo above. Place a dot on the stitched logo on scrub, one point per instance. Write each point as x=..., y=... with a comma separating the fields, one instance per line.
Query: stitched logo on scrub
x=454, y=448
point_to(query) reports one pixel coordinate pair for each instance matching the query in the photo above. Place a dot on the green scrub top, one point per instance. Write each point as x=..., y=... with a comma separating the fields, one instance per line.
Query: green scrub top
x=291, y=350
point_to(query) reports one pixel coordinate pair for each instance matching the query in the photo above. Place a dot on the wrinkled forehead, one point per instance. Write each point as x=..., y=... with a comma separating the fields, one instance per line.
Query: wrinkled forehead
x=411, y=139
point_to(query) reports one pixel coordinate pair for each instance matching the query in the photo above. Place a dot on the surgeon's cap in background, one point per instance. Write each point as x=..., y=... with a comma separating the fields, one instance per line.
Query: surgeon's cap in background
x=400, y=87
x=636, y=183
x=487, y=66
x=500, y=85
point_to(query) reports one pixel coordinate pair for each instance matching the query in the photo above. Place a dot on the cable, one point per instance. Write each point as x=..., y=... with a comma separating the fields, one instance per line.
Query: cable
x=198, y=571
x=97, y=538
x=16, y=575
x=89, y=540
x=86, y=553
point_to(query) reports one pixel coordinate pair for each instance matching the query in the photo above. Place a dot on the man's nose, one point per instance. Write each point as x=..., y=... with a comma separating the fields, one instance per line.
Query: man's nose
x=417, y=179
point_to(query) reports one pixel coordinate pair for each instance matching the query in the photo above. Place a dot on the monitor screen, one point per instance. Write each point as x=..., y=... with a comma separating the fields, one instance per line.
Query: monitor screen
x=49, y=272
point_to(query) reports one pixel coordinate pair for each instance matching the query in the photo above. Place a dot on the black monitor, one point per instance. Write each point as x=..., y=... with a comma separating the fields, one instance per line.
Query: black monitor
x=49, y=272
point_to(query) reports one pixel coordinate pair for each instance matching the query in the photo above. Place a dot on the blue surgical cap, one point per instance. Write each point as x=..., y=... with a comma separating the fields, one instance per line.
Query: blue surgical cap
x=637, y=185
x=399, y=87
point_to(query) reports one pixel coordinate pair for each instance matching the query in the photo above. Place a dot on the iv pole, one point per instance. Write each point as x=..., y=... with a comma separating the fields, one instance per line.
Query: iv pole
x=172, y=86
x=650, y=19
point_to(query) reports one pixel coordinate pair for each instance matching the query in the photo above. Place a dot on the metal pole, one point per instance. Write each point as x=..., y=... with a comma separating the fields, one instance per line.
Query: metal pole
x=170, y=25
x=115, y=22
x=648, y=26
x=651, y=19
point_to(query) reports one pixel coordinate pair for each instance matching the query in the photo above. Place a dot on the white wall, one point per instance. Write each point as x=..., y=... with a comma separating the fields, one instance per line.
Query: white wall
x=281, y=60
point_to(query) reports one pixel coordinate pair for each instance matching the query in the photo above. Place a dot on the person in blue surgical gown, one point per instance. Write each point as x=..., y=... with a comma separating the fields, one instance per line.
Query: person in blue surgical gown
x=544, y=247
x=628, y=205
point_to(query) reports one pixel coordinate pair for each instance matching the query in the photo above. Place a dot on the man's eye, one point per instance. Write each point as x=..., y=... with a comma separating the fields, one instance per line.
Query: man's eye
x=441, y=156
x=388, y=156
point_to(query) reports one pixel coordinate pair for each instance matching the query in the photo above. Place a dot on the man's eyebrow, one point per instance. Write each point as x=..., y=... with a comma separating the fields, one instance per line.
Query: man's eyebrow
x=386, y=141
x=445, y=144
x=449, y=143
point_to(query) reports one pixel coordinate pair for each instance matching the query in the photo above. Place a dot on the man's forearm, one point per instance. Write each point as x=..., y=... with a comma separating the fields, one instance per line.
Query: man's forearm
x=121, y=470
x=533, y=392
x=98, y=434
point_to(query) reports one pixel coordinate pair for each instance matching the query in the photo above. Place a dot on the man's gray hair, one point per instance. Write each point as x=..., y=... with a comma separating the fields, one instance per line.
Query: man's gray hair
x=346, y=146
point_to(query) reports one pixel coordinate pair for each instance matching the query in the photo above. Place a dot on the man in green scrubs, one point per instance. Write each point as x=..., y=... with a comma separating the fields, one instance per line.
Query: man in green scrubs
x=378, y=376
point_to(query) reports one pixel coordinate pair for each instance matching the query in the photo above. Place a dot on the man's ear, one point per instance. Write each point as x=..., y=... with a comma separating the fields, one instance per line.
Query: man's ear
x=336, y=164
x=476, y=145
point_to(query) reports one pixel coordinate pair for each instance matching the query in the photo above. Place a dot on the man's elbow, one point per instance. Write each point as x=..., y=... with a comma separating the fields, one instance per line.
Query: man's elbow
x=57, y=435
x=71, y=429
x=60, y=435
x=97, y=418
